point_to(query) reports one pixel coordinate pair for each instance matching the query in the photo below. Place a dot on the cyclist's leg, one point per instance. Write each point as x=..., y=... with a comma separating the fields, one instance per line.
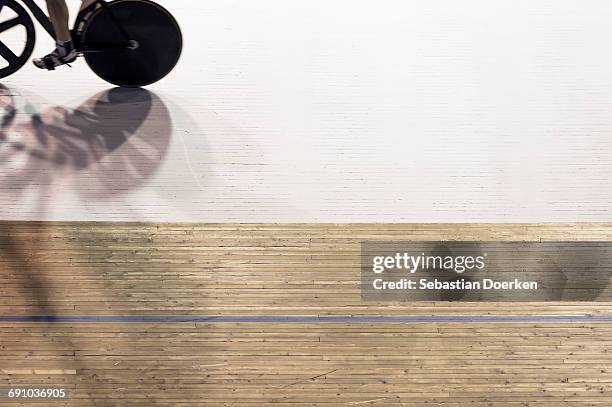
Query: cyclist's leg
x=58, y=13
x=64, y=52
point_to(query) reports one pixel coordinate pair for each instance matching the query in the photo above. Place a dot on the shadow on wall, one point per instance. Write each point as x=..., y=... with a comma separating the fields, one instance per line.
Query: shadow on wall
x=112, y=143
x=115, y=140
x=109, y=145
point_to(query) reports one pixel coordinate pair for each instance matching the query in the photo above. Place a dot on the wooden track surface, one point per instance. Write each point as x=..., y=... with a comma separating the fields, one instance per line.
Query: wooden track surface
x=88, y=269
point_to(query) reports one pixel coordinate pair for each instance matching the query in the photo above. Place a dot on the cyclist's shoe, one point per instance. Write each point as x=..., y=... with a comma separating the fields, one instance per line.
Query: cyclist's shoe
x=64, y=54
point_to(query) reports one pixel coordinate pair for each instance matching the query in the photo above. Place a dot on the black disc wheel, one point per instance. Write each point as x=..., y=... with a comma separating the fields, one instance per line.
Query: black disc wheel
x=151, y=50
x=17, y=37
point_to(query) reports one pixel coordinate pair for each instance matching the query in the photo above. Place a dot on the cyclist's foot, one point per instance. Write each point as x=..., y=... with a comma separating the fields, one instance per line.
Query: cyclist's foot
x=63, y=54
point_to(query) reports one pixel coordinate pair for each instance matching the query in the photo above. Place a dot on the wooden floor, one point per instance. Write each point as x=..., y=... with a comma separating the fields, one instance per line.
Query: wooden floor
x=51, y=269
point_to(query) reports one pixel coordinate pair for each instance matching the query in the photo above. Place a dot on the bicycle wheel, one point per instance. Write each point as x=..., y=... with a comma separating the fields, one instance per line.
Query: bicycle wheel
x=154, y=29
x=15, y=48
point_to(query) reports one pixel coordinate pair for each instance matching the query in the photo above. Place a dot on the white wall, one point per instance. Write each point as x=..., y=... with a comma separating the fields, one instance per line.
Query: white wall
x=334, y=111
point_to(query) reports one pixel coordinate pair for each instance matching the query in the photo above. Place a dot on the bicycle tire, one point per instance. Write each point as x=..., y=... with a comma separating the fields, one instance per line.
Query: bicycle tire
x=16, y=62
x=159, y=38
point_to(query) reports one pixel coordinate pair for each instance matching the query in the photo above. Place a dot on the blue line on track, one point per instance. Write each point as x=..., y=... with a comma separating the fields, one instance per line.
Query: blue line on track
x=441, y=319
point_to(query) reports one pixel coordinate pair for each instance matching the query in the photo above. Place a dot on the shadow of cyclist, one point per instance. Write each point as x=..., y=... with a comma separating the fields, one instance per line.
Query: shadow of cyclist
x=118, y=138
x=109, y=145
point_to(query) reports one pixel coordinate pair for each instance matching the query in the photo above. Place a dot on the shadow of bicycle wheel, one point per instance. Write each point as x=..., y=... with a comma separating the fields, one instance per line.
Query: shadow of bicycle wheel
x=109, y=145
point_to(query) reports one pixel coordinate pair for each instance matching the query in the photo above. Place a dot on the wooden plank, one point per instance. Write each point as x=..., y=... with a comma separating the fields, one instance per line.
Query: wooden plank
x=284, y=270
